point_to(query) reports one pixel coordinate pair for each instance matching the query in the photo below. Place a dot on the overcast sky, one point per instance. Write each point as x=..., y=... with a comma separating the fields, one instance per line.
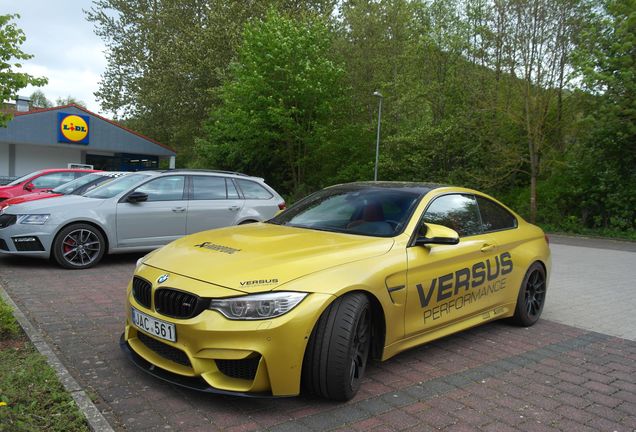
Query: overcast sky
x=65, y=48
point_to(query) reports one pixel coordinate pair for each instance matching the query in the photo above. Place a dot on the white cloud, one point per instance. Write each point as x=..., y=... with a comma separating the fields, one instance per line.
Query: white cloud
x=65, y=49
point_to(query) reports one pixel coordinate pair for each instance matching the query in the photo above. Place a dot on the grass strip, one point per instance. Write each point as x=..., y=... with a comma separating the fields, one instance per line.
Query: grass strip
x=31, y=396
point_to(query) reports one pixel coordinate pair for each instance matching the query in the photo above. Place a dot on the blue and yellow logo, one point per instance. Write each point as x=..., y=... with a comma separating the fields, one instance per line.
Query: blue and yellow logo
x=73, y=128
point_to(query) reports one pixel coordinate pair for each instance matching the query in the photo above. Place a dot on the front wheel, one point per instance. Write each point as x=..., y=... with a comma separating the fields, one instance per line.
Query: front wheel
x=78, y=246
x=531, y=296
x=338, y=349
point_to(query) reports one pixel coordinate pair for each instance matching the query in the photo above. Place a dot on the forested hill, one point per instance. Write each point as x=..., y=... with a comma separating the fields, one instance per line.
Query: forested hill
x=530, y=100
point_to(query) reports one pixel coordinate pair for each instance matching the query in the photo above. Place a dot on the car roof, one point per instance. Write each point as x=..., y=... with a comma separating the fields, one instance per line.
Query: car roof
x=420, y=188
x=112, y=173
x=208, y=171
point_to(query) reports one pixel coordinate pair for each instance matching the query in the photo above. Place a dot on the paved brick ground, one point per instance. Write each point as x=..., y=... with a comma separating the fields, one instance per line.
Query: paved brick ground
x=493, y=378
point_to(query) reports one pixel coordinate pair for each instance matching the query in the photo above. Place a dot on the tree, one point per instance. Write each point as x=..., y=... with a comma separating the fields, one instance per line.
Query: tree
x=281, y=106
x=39, y=100
x=68, y=100
x=601, y=166
x=11, y=81
x=167, y=58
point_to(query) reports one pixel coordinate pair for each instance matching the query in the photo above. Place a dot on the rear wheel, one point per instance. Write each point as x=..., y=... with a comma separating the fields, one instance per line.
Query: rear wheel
x=531, y=296
x=338, y=349
x=78, y=246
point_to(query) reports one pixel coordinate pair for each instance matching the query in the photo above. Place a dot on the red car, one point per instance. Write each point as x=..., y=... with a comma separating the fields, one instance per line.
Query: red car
x=41, y=181
x=75, y=187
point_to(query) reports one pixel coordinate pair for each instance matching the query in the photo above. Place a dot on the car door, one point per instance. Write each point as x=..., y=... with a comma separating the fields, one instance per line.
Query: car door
x=156, y=221
x=214, y=203
x=259, y=202
x=447, y=283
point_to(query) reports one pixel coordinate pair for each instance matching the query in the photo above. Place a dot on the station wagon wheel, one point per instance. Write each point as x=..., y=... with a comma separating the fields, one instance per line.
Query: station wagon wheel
x=338, y=349
x=78, y=246
x=531, y=296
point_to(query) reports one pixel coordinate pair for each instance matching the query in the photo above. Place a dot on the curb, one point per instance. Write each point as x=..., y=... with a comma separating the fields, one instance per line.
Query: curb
x=96, y=421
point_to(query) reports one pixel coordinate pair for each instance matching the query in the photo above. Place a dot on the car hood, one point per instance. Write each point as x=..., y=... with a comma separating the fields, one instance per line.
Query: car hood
x=61, y=204
x=260, y=257
x=28, y=197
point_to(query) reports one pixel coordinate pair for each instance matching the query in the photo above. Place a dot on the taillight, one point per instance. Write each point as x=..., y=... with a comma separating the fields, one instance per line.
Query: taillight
x=281, y=205
x=547, y=239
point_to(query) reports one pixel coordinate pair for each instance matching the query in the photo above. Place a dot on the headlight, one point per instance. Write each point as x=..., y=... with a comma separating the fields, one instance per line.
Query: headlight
x=33, y=219
x=258, y=306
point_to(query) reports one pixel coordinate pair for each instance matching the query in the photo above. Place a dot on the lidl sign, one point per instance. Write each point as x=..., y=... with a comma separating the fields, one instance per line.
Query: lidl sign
x=72, y=128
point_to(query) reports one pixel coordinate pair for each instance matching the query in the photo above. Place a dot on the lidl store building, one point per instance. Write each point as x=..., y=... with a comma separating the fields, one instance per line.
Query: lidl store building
x=61, y=136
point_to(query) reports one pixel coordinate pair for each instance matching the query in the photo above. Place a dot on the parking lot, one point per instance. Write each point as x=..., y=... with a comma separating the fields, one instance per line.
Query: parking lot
x=574, y=370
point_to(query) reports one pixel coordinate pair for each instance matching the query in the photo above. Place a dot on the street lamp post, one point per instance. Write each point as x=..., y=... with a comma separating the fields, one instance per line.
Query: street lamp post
x=377, y=142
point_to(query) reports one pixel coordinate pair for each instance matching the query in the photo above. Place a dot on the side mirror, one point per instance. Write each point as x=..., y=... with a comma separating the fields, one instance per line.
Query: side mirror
x=436, y=234
x=136, y=197
x=29, y=187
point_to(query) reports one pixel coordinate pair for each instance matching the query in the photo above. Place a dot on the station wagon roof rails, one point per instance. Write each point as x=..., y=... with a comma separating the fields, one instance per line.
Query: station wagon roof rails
x=207, y=171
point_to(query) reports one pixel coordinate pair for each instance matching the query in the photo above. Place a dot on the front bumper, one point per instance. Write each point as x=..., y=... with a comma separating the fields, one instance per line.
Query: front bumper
x=192, y=383
x=217, y=355
x=27, y=240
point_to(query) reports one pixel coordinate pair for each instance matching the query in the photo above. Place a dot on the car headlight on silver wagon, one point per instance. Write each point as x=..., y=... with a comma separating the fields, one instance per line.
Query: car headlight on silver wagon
x=33, y=219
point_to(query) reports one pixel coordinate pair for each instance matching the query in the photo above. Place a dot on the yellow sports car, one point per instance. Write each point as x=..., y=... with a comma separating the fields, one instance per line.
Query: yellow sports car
x=352, y=272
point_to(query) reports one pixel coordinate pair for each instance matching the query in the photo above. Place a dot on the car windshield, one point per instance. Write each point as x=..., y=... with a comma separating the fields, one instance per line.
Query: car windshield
x=377, y=212
x=115, y=187
x=23, y=178
x=69, y=187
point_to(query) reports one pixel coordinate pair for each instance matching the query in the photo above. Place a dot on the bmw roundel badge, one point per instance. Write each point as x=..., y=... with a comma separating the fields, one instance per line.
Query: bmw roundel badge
x=162, y=278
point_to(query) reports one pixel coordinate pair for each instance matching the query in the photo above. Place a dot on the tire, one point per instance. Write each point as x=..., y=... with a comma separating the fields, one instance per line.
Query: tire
x=338, y=349
x=78, y=246
x=531, y=297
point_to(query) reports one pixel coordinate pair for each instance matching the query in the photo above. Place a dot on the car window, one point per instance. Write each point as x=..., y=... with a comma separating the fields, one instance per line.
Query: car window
x=115, y=187
x=494, y=217
x=372, y=212
x=69, y=187
x=23, y=178
x=164, y=188
x=252, y=190
x=208, y=188
x=49, y=181
x=455, y=211
x=232, y=193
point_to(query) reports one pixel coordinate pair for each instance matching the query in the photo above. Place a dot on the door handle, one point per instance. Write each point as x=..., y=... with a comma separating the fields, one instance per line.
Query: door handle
x=233, y=208
x=178, y=209
x=487, y=247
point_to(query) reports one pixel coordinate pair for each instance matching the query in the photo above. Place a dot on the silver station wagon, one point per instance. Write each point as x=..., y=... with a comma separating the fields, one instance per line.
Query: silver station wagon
x=137, y=212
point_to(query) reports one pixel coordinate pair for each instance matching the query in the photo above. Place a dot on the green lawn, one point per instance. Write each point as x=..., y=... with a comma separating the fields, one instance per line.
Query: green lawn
x=31, y=397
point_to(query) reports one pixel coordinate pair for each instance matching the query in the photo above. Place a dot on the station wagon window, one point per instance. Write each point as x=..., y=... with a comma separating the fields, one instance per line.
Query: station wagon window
x=494, y=217
x=164, y=189
x=457, y=212
x=232, y=193
x=49, y=181
x=252, y=190
x=208, y=188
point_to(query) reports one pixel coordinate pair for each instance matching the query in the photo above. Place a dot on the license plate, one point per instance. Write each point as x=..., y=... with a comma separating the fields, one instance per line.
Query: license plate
x=155, y=327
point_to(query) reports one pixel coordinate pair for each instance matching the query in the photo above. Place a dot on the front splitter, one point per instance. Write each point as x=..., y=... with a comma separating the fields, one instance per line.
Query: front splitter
x=192, y=383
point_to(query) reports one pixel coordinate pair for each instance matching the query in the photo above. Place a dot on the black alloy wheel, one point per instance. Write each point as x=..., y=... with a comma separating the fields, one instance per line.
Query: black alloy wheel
x=531, y=298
